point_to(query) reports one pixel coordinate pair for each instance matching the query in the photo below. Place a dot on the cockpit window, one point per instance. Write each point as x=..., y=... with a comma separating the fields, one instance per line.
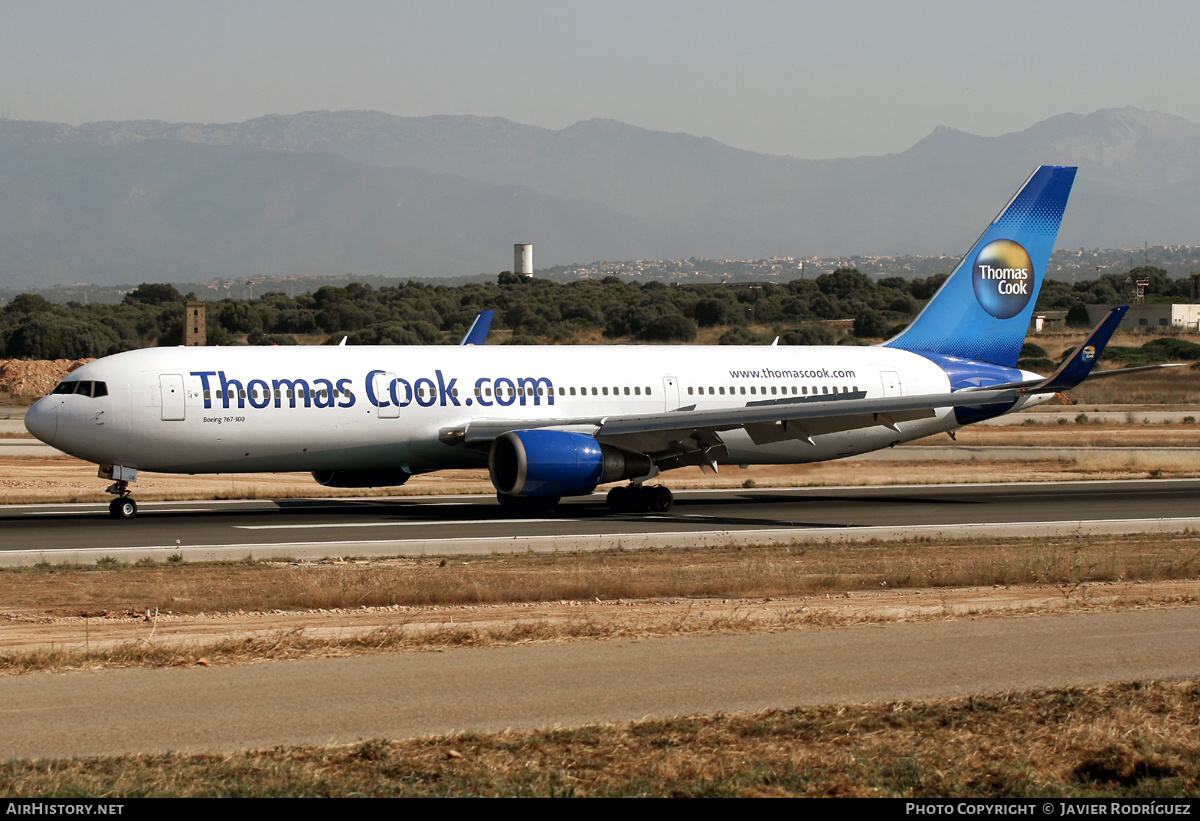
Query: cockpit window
x=84, y=387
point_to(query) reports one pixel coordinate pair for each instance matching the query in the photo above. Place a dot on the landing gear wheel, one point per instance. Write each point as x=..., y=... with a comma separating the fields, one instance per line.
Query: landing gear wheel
x=122, y=508
x=621, y=499
x=640, y=498
x=660, y=499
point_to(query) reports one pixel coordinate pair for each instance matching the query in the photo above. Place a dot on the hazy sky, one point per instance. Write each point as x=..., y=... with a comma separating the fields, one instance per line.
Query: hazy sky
x=811, y=79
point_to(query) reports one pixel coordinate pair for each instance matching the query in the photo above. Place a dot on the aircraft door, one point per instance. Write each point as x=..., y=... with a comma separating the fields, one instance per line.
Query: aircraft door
x=382, y=389
x=174, y=408
x=670, y=393
x=891, y=383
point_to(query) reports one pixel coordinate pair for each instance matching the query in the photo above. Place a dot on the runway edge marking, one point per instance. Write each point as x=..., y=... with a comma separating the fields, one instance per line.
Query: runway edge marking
x=629, y=541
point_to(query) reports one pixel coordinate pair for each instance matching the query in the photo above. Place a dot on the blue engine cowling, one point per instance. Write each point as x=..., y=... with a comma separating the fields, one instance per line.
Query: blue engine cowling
x=542, y=463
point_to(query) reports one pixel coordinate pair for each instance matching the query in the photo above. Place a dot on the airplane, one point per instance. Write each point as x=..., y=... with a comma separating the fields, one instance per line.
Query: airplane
x=559, y=421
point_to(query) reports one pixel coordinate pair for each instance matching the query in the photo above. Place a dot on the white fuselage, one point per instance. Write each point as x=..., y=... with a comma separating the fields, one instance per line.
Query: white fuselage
x=209, y=410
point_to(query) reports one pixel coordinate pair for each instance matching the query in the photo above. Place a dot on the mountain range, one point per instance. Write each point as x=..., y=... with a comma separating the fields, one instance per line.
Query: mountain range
x=370, y=193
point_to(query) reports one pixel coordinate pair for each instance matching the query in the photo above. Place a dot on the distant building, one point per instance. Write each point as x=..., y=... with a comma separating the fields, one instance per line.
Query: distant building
x=194, y=332
x=1151, y=316
x=1044, y=321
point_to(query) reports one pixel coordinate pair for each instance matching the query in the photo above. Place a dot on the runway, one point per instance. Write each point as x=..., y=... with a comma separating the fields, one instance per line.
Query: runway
x=475, y=524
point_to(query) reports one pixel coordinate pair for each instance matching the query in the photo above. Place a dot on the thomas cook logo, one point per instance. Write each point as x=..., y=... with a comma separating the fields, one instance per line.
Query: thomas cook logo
x=1089, y=353
x=1003, y=278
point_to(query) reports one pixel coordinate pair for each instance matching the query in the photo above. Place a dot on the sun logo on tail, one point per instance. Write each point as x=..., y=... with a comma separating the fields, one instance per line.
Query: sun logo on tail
x=1003, y=278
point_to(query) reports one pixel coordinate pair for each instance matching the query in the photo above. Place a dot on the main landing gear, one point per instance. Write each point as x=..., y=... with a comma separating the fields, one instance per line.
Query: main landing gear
x=122, y=507
x=638, y=498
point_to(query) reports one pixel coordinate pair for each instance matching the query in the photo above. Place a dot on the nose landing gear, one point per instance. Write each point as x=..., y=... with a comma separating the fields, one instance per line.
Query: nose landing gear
x=122, y=507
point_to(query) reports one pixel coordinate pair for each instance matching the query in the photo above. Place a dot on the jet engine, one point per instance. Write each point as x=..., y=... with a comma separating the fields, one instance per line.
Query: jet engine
x=552, y=463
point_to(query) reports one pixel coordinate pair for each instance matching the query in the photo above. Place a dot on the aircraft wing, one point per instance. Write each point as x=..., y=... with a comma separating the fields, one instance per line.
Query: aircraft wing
x=765, y=421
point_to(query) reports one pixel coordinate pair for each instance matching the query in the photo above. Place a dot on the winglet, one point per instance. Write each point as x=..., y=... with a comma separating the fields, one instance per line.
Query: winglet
x=1079, y=364
x=477, y=333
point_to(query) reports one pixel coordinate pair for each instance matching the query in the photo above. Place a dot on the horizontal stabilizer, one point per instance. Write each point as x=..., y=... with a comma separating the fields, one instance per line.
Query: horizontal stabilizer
x=1081, y=361
x=1078, y=366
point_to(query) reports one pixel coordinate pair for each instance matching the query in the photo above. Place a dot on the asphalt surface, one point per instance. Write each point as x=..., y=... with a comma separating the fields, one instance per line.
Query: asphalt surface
x=400, y=695
x=476, y=524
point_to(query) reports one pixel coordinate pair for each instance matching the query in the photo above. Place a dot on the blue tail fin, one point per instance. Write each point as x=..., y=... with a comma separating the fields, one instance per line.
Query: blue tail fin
x=982, y=311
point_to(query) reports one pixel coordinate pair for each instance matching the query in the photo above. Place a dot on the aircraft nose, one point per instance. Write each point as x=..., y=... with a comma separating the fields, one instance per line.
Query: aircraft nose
x=42, y=419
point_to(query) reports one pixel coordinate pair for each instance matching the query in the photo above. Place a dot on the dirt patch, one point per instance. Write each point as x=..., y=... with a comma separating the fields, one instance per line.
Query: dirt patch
x=29, y=378
x=24, y=631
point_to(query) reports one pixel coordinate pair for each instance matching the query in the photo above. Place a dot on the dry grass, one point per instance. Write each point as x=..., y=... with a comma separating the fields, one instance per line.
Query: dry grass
x=1127, y=740
x=73, y=617
x=1173, y=386
x=719, y=572
x=1036, y=432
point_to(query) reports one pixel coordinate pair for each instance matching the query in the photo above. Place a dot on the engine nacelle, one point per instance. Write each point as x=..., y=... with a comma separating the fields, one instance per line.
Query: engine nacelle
x=559, y=463
x=383, y=477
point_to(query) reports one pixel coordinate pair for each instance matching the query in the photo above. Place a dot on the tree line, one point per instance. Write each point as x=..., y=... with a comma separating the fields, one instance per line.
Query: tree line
x=534, y=310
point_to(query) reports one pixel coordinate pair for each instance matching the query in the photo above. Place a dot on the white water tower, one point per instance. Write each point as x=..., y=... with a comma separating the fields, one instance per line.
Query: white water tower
x=523, y=259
